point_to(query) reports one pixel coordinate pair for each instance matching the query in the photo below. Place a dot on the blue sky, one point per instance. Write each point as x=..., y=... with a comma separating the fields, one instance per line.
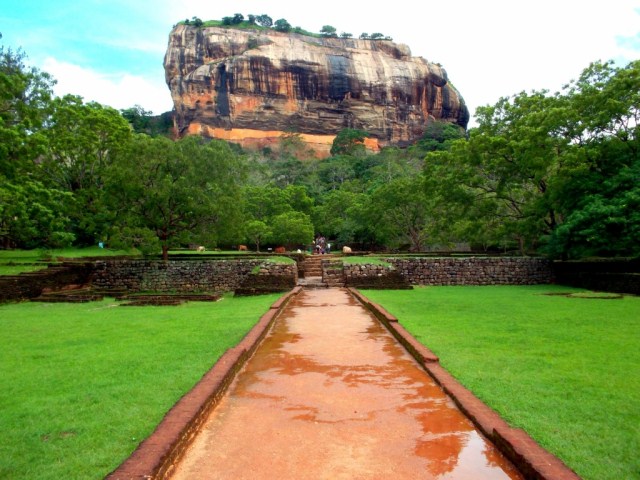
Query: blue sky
x=112, y=51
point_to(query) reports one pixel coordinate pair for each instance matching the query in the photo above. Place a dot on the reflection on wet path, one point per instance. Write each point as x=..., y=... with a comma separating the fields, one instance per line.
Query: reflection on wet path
x=331, y=394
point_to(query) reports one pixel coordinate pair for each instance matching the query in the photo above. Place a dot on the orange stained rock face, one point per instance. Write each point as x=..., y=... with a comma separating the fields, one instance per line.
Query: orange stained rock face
x=319, y=144
x=331, y=394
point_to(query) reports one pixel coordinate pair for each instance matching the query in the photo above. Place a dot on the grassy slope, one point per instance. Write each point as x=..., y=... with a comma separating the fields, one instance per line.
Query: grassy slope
x=83, y=384
x=567, y=370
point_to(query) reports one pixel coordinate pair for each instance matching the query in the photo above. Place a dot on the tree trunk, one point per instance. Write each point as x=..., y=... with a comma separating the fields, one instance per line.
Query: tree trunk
x=165, y=252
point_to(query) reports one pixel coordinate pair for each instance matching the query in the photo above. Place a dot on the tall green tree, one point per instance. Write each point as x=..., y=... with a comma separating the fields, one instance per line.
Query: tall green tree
x=292, y=228
x=25, y=99
x=401, y=214
x=82, y=141
x=176, y=192
x=258, y=232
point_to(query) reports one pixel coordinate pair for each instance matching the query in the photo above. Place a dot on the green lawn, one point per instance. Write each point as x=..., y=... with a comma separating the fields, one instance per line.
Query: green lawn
x=14, y=262
x=567, y=370
x=364, y=260
x=83, y=384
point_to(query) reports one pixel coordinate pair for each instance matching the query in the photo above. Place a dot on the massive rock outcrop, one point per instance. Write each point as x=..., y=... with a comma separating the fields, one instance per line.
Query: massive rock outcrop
x=251, y=86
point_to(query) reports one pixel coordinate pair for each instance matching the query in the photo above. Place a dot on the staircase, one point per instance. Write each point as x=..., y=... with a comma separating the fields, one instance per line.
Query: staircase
x=322, y=271
x=312, y=272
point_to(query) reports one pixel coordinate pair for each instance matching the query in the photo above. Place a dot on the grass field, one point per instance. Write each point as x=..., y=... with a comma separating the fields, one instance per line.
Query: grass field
x=83, y=384
x=567, y=370
x=364, y=260
x=14, y=262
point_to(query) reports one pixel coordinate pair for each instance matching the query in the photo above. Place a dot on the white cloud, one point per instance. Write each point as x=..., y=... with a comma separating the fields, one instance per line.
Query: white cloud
x=117, y=90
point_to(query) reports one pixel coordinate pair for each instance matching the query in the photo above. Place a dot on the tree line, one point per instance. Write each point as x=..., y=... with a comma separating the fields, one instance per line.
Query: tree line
x=555, y=174
x=282, y=25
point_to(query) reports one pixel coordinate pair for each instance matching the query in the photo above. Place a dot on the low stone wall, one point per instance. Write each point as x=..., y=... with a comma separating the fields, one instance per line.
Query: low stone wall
x=55, y=277
x=374, y=277
x=457, y=271
x=181, y=275
x=270, y=278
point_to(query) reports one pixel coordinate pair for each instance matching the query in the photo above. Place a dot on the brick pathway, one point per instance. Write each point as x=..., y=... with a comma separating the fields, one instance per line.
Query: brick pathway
x=330, y=394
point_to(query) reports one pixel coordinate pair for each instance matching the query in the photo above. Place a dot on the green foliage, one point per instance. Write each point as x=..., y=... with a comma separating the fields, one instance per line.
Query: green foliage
x=401, y=214
x=439, y=135
x=558, y=170
x=328, y=31
x=292, y=228
x=32, y=215
x=349, y=141
x=25, y=96
x=143, y=121
x=281, y=25
x=264, y=20
x=258, y=232
x=186, y=191
x=82, y=141
x=560, y=368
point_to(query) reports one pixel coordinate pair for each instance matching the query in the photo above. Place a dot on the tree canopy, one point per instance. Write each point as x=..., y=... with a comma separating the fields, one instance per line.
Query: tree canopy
x=557, y=174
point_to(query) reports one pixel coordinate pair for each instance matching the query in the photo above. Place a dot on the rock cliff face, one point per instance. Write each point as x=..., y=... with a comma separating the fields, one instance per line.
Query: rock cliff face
x=251, y=86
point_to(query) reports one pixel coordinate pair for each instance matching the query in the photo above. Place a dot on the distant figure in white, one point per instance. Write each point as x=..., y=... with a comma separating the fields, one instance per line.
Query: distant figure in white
x=346, y=249
x=200, y=249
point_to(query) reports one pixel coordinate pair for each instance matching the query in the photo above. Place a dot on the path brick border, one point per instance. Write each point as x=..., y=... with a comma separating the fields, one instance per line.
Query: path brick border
x=533, y=461
x=156, y=457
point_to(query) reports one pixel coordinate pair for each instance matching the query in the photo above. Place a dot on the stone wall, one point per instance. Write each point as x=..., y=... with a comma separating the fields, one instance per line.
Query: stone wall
x=270, y=278
x=374, y=277
x=180, y=275
x=458, y=271
x=55, y=277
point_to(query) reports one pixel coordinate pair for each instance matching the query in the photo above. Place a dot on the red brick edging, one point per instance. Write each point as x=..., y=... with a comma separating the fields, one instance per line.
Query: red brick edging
x=157, y=455
x=533, y=461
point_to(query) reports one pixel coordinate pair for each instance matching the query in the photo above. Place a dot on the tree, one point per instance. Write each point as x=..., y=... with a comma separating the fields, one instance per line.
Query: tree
x=258, y=232
x=282, y=25
x=334, y=216
x=335, y=171
x=264, y=20
x=292, y=228
x=196, y=22
x=328, y=31
x=83, y=140
x=349, y=141
x=550, y=169
x=143, y=121
x=33, y=216
x=251, y=19
x=376, y=36
x=138, y=118
x=438, y=135
x=346, y=35
x=401, y=214
x=238, y=18
x=25, y=99
x=364, y=36
x=185, y=191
